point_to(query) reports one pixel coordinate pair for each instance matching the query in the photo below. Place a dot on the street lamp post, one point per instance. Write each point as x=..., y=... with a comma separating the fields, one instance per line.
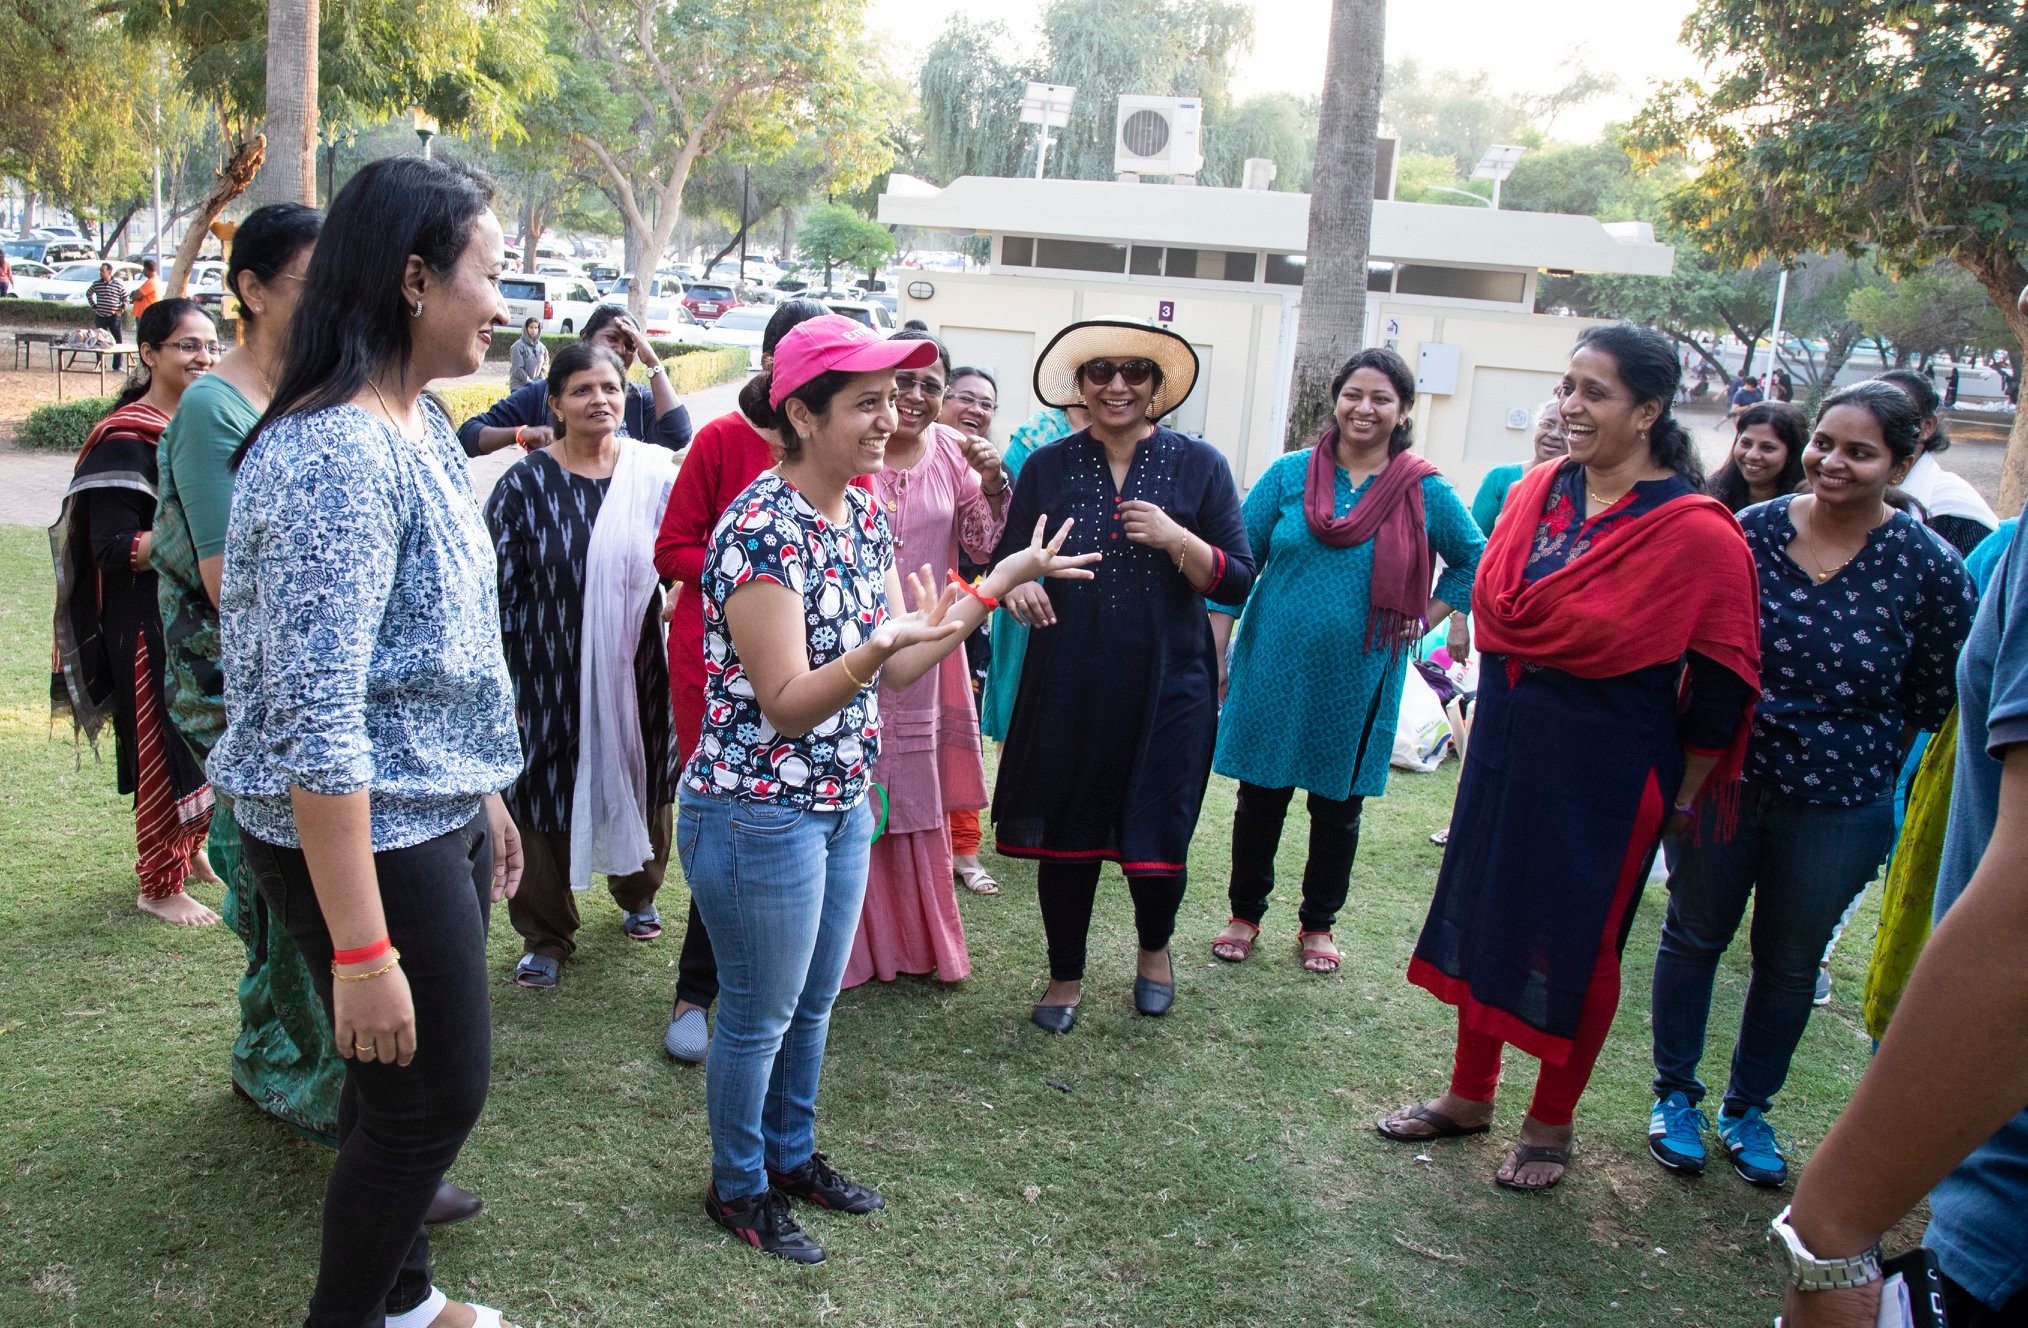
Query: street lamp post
x=425, y=128
x=1047, y=106
x=1497, y=165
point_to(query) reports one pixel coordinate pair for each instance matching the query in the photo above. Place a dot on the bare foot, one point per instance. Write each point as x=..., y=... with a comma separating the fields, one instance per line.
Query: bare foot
x=1235, y=943
x=457, y=1314
x=1535, y=1175
x=1063, y=993
x=200, y=867
x=1154, y=965
x=178, y=908
x=1467, y=1113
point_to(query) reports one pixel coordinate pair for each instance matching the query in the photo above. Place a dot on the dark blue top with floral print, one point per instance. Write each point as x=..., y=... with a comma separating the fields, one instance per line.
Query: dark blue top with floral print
x=772, y=533
x=1848, y=663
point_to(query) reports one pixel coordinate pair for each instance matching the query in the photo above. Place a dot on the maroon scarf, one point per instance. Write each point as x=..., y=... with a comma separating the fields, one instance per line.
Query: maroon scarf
x=1390, y=515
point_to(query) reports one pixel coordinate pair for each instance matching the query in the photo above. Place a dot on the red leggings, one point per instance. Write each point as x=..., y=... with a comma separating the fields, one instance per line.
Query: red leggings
x=964, y=832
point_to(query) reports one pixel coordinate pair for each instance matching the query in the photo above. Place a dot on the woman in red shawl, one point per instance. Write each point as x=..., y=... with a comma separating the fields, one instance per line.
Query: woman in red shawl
x=108, y=626
x=1619, y=621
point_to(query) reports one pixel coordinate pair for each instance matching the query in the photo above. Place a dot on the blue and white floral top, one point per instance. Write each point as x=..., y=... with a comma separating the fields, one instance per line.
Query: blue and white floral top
x=360, y=622
x=1847, y=663
x=772, y=533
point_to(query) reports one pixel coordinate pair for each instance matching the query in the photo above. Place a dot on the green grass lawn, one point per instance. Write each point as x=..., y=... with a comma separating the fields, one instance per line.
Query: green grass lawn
x=1216, y=1166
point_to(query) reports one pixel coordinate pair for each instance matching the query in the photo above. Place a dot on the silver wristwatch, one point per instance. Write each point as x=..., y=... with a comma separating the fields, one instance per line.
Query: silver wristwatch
x=1807, y=1272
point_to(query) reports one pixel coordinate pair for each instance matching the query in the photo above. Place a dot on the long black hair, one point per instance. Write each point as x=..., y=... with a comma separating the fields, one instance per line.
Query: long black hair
x=1396, y=371
x=352, y=318
x=1728, y=486
x=1928, y=404
x=1899, y=415
x=816, y=394
x=1647, y=364
x=753, y=398
x=153, y=328
x=575, y=359
x=268, y=241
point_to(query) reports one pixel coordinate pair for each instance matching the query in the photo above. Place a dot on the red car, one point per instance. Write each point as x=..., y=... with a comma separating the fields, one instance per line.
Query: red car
x=707, y=300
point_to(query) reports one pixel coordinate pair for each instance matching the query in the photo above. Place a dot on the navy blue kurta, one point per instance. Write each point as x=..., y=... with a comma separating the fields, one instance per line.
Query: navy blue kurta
x=1109, y=747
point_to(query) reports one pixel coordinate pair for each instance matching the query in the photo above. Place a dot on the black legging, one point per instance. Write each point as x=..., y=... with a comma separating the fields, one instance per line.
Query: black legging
x=1327, y=874
x=696, y=966
x=1066, y=891
x=399, y=1127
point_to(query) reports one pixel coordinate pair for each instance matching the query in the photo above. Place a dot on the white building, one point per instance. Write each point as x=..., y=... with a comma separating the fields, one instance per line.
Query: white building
x=1451, y=288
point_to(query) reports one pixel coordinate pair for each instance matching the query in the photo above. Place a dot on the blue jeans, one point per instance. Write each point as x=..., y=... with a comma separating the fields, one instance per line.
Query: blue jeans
x=1802, y=862
x=779, y=890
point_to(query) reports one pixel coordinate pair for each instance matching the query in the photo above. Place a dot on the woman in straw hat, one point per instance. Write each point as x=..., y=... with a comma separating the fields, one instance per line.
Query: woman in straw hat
x=1109, y=747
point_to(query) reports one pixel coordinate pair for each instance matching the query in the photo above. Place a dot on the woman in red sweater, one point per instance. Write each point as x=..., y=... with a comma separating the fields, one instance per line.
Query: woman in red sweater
x=726, y=455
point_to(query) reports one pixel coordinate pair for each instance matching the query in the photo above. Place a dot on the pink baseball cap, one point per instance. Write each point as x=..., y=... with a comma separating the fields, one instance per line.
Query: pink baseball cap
x=837, y=342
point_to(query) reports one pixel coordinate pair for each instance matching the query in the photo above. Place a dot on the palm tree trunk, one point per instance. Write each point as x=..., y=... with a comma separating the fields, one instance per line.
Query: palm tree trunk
x=1341, y=213
x=291, y=173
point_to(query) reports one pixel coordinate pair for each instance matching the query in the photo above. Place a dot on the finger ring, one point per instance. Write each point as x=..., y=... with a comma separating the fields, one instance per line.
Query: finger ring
x=362, y=1046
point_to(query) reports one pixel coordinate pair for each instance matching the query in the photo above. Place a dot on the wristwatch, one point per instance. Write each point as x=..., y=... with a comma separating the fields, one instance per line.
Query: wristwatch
x=1807, y=1272
x=657, y=368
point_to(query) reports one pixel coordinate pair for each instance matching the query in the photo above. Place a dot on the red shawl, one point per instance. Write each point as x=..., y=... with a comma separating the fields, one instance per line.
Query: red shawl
x=1391, y=515
x=1680, y=578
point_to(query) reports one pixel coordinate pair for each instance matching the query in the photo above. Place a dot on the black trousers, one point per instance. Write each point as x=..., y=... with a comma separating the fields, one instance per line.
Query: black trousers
x=399, y=1127
x=1066, y=891
x=118, y=329
x=696, y=966
x=1327, y=875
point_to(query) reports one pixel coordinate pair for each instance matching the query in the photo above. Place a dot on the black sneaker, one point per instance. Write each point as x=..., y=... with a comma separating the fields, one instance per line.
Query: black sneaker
x=815, y=1182
x=762, y=1221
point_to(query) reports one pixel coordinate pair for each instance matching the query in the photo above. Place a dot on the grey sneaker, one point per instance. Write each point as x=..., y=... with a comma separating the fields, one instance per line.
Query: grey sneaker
x=1823, y=995
x=688, y=1038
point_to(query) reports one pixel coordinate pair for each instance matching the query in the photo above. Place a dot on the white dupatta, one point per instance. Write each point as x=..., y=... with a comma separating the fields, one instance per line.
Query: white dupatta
x=609, y=808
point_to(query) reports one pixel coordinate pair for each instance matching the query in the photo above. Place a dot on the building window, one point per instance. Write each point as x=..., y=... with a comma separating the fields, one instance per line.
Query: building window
x=1211, y=264
x=1081, y=255
x=1462, y=283
x=1287, y=270
x=1017, y=251
x=1146, y=261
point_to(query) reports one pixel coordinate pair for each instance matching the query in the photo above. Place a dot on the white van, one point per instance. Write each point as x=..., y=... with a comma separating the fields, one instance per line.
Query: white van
x=561, y=302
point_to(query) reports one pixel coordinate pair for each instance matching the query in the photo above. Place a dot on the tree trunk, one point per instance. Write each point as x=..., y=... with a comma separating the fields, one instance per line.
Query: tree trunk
x=2005, y=280
x=1341, y=213
x=233, y=178
x=291, y=175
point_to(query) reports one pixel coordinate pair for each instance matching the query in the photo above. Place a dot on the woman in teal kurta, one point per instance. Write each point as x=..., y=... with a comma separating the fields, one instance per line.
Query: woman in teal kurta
x=1009, y=639
x=1321, y=655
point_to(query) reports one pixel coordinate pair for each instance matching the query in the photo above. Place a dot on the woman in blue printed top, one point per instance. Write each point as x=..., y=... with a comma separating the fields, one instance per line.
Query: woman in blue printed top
x=774, y=830
x=369, y=712
x=1862, y=613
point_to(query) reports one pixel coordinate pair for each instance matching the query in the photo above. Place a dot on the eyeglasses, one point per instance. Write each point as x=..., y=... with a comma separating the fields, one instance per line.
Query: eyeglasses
x=191, y=345
x=969, y=402
x=908, y=382
x=1097, y=373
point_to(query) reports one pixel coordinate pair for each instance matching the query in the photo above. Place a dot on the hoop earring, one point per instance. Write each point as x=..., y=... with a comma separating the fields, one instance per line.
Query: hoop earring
x=417, y=311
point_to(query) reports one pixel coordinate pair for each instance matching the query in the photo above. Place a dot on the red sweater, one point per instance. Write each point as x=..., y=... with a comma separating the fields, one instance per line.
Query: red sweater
x=726, y=455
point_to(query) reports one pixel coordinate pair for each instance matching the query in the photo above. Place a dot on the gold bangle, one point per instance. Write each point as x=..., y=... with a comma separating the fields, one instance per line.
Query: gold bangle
x=861, y=683
x=393, y=961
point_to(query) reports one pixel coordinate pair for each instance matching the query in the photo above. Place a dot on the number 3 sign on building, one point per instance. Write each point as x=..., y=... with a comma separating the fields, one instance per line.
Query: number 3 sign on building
x=1165, y=312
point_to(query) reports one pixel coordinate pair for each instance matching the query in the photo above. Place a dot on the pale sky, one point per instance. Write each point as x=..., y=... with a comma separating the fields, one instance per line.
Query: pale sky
x=1520, y=42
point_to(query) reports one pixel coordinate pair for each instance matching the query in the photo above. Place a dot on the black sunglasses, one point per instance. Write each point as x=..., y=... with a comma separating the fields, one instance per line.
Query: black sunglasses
x=1097, y=373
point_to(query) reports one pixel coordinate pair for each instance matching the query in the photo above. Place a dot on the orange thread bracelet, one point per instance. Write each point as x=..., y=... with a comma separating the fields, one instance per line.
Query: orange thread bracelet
x=970, y=589
x=362, y=954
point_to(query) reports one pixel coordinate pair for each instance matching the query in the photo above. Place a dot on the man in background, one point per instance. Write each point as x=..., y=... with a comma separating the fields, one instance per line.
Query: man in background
x=108, y=300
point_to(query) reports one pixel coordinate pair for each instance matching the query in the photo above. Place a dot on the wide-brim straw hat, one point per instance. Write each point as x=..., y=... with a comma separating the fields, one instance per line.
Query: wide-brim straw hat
x=1056, y=372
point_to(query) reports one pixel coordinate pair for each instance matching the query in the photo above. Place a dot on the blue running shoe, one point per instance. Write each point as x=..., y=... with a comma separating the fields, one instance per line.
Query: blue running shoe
x=1755, y=1148
x=1676, y=1134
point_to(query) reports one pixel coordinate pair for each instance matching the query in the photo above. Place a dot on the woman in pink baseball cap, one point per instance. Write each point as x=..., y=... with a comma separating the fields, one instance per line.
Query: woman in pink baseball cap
x=804, y=618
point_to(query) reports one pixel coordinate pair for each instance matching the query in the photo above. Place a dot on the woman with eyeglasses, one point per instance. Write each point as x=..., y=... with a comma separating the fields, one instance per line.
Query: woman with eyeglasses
x=108, y=624
x=1347, y=535
x=969, y=406
x=1109, y=749
x=943, y=493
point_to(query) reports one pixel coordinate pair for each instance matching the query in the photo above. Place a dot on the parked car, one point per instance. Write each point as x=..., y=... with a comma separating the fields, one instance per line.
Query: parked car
x=601, y=276
x=70, y=281
x=860, y=311
x=669, y=287
x=58, y=232
x=44, y=250
x=669, y=320
x=742, y=326
x=708, y=299
x=30, y=278
x=561, y=302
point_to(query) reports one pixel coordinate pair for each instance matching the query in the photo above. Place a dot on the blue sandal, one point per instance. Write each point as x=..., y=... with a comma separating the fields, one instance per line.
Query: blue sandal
x=538, y=972
x=645, y=925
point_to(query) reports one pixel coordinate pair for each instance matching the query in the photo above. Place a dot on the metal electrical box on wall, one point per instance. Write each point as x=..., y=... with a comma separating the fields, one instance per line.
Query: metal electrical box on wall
x=1436, y=369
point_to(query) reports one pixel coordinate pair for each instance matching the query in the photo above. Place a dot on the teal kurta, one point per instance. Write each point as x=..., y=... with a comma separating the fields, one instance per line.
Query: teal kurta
x=1009, y=638
x=1309, y=706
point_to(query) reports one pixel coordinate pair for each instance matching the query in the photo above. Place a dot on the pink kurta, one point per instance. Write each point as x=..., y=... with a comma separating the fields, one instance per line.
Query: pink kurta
x=930, y=761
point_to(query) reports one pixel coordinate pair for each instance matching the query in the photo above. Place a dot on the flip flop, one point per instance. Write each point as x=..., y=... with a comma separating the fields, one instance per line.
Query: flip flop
x=1444, y=1127
x=1232, y=951
x=1523, y=1154
x=977, y=880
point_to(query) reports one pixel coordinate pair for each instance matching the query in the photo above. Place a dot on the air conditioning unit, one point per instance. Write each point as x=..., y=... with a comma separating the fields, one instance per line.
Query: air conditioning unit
x=1159, y=136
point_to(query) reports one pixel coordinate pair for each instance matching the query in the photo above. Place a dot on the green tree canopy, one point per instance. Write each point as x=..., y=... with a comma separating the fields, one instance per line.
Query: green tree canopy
x=1894, y=124
x=835, y=235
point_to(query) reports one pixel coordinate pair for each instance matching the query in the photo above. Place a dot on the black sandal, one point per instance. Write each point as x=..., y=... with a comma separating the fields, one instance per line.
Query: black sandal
x=1523, y=1154
x=1445, y=1127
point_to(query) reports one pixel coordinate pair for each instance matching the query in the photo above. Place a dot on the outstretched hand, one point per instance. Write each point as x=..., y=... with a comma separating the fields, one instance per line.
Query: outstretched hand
x=1045, y=558
x=930, y=620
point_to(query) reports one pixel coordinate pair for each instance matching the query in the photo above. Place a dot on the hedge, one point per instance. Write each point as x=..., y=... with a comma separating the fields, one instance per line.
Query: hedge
x=62, y=427
x=17, y=312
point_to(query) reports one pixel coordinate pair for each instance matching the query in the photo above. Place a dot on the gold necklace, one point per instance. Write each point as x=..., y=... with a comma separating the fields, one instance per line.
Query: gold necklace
x=395, y=423
x=1811, y=546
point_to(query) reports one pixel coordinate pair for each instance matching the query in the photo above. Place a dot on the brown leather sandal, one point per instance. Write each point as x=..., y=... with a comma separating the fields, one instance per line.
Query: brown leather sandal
x=1315, y=960
x=1523, y=1154
x=1235, y=951
x=1443, y=1127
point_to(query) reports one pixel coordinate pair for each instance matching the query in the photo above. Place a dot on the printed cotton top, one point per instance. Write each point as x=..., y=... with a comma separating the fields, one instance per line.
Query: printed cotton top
x=771, y=532
x=360, y=622
x=1847, y=664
